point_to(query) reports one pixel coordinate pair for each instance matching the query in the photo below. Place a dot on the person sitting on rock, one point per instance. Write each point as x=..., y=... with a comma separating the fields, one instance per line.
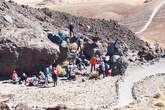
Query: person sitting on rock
x=54, y=75
x=23, y=78
x=79, y=63
x=71, y=29
x=93, y=62
x=41, y=75
x=14, y=77
x=84, y=60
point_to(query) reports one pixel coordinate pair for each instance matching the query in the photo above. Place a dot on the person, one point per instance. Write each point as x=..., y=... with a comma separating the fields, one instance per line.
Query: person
x=62, y=35
x=14, y=77
x=80, y=42
x=23, y=78
x=111, y=49
x=102, y=68
x=80, y=63
x=46, y=74
x=41, y=75
x=69, y=70
x=54, y=76
x=93, y=62
x=71, y=29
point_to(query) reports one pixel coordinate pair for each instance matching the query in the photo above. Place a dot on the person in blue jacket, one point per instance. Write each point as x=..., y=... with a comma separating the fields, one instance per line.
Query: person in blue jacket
x=47, y=73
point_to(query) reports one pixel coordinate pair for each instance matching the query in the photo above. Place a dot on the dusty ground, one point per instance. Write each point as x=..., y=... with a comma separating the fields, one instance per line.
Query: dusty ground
x=77, y=94
x=145, y=93
x=156, y=31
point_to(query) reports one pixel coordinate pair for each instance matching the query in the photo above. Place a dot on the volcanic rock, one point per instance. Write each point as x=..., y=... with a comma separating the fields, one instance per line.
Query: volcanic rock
x=24, y=44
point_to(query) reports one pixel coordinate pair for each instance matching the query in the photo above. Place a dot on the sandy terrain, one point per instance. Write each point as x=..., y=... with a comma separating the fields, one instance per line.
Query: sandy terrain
x=125, y=85
x=95, y=94
x=155, y=31
x=145, y=93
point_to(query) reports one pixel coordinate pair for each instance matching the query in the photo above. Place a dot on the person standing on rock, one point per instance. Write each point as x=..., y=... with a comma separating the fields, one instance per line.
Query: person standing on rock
x=71, y=29
x=54, y=75
x=93, y=62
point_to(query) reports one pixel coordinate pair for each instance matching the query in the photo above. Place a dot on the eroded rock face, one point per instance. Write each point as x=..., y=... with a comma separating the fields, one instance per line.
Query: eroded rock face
x=25, y=50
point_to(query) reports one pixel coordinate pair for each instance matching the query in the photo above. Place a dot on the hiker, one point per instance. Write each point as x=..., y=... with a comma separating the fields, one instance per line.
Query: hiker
x=41, y=75
x=54, y=75
x=106, y=59
x=80, y=42
x=14, y=77
x=62, y=35
x=108, y=71
x=23, y=78
x=111, y=49
x=84, y=59
x=79, y=63
x=93, y=62
x=102, y=69
x=46, y=74
x=69, y=70
x=71, y=30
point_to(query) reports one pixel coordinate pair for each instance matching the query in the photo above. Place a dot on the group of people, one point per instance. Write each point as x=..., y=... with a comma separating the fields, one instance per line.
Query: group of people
x=79, y=61
x=42, y=75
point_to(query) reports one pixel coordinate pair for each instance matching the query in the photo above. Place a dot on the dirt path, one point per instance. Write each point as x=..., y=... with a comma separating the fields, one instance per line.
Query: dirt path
x=74, y=94
x=156, y=10
x=135, y=74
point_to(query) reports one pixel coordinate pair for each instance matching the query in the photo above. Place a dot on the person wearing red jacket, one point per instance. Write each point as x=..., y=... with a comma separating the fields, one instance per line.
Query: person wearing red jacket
x=93, y=62
x=54, y=75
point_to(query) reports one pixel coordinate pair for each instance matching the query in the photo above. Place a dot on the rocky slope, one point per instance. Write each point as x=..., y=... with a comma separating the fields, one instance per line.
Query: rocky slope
x=23, y=37
x=133, y=14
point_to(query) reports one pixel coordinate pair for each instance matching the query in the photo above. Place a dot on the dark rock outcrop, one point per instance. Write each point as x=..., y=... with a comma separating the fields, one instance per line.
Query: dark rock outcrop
x=23, y=43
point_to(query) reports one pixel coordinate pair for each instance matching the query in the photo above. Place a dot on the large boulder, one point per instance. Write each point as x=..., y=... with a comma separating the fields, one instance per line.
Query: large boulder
x=118, y=65
x=26, y=50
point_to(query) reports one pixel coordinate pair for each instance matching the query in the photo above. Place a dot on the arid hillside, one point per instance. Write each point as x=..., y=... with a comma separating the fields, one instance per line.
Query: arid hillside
x=132, y=13
x=108, y=9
